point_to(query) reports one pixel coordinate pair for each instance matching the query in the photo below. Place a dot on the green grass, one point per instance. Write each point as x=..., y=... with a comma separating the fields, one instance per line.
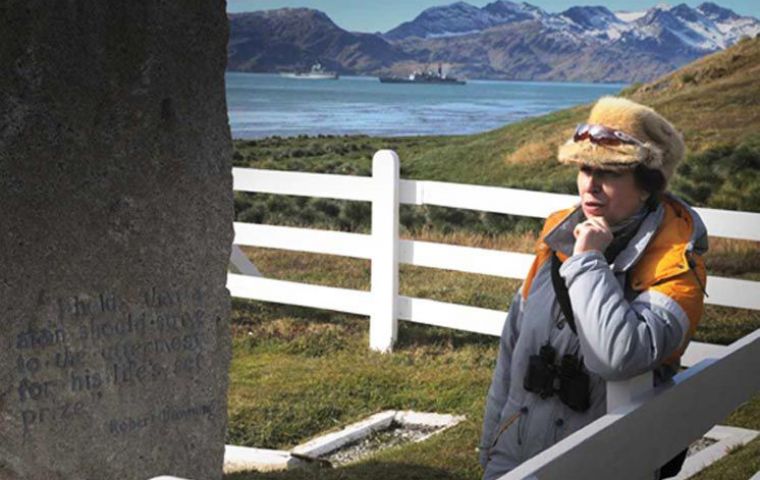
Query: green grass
x=741, y=463
x=299, y=372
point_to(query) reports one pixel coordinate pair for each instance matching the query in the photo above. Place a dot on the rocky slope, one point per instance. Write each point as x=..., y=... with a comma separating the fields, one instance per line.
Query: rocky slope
x=295, y=38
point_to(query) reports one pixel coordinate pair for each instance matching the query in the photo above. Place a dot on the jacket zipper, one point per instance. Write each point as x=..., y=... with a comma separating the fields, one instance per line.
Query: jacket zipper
x=502, y=429
x=559, y=424
x=693, y=264
x=523, y=411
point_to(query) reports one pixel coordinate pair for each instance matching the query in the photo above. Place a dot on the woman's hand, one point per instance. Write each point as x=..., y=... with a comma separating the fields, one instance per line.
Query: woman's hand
x=593, y=234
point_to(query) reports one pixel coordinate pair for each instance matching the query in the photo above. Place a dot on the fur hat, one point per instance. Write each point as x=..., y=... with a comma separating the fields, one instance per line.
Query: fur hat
x=662, y=147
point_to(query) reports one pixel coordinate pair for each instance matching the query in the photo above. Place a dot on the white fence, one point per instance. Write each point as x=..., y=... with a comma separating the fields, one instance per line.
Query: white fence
x=384, y=306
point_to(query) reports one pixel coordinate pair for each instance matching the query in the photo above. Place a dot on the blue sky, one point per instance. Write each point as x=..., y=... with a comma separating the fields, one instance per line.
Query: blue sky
x=382, y=15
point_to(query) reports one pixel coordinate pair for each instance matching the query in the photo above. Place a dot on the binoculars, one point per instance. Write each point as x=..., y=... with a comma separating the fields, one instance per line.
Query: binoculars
x=567, y=380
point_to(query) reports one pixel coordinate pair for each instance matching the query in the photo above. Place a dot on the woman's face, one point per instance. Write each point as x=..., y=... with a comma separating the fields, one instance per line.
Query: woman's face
x=609, y=194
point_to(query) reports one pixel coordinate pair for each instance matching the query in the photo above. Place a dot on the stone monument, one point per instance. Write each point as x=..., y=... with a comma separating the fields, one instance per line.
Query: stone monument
x=115, y=233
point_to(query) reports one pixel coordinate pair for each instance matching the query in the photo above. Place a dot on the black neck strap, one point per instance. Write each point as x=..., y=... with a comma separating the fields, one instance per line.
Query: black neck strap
x=560, y=291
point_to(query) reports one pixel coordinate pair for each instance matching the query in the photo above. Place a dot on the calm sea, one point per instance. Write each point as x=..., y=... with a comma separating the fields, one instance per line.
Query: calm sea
x=262, y=105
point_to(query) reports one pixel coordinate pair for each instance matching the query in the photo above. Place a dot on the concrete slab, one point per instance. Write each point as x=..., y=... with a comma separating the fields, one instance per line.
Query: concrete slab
x=334, y=440
x=727, y=439
x=240, y=459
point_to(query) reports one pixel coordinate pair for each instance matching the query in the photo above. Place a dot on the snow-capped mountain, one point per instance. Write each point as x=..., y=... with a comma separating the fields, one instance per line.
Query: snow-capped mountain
x=677, y=28
x=461, y=18
x=503, y=39
x=628, y=17
x=596, y=22
x=729, y=23
x=510, y=11
x=592, y=18
x=717, y=13
x=706, y=28
x=683, y=33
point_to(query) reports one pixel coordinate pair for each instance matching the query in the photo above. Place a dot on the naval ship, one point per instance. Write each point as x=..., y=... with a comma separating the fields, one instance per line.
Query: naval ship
x=428, y=77
x=317, y=72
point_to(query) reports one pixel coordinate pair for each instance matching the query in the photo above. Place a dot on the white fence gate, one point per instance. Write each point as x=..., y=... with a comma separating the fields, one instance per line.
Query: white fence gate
x=656, y=424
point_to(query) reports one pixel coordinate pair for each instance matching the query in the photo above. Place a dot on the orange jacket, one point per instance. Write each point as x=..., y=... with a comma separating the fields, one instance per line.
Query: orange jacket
x=670, y=263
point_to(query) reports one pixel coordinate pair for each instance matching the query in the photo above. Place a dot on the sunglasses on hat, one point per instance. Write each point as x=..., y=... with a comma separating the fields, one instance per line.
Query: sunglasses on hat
x=601, y=135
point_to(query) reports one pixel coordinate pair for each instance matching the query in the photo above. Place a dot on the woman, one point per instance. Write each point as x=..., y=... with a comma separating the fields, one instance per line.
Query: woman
x=616, y=288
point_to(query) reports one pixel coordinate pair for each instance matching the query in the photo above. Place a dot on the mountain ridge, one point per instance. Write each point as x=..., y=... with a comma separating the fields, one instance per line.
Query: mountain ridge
x=502, y=40
x=284, y=39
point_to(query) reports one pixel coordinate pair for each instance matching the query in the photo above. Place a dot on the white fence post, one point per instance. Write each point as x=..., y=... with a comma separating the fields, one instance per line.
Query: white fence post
x=624, y=392
x=383, y=324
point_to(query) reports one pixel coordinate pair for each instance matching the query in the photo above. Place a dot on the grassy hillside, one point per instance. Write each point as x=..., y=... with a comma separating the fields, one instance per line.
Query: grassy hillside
x=297, y=372
x=715, y=100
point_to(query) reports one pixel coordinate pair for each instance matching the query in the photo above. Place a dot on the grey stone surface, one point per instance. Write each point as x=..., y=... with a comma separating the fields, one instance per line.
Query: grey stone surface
x=115, y=231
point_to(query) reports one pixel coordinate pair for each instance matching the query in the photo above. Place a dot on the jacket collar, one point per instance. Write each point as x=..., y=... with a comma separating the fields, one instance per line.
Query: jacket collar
x=561, y=238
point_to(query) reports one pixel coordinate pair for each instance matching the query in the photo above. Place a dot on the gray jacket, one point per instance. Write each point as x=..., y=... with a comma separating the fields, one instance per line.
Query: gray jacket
x=635, y=315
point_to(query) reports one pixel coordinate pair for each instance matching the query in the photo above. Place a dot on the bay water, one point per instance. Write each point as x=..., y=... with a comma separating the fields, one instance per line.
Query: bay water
x=262, y=105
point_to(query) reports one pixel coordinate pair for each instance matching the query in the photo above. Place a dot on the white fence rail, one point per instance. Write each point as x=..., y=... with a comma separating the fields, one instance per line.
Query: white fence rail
x=655, y=427
x=386, y=191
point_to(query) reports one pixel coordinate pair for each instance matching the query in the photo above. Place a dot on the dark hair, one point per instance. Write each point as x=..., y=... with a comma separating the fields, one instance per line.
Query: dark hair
x=650, y=180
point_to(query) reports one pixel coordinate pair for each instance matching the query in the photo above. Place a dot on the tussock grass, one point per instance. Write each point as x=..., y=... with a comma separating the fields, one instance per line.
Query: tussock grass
x=734, y=258
x=515, y=242
x=714, y=100
x=540, y=148
x=533, y=152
